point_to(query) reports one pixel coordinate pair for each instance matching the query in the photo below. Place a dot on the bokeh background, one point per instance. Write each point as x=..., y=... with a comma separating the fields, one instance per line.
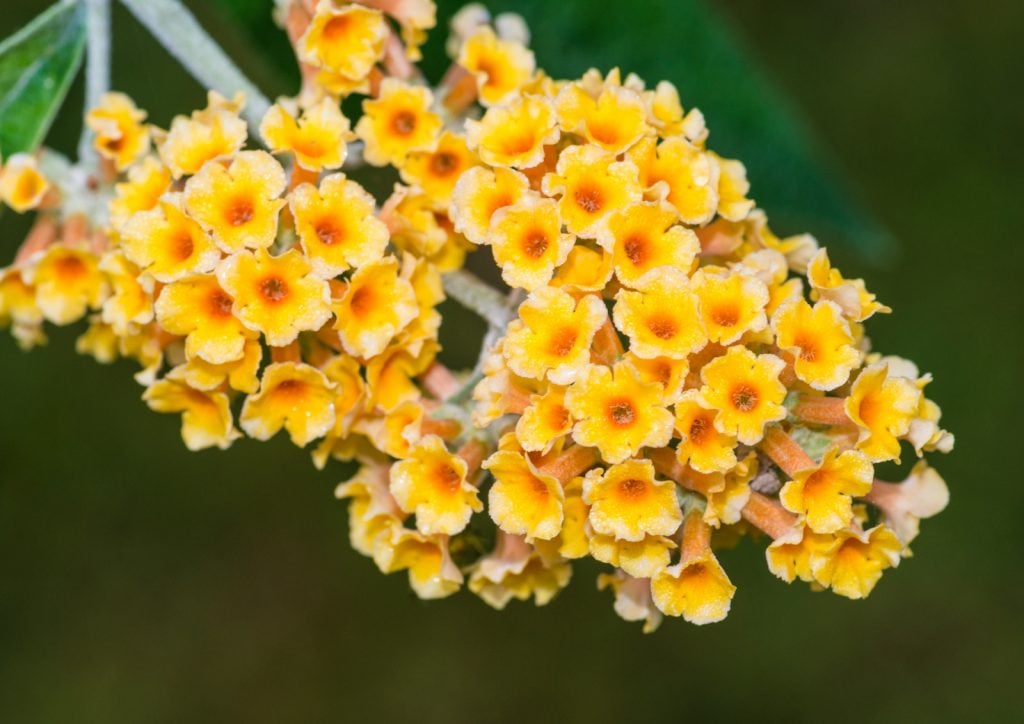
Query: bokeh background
x=143, y=583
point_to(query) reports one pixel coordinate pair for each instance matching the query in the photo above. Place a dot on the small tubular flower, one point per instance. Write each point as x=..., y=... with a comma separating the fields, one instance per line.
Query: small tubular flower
x=528, y=242
x=702, y=446
x=679, y=173
x=295, y=396
x=614, y=120
x=398, y=122
x=820, y=341
x=697, y=587
x=545, y=421
x=628, y=502
x=378, y=304
x=857, y=563
x=317, y=138
x=148, y=180
x=277, y=296
x=633, y=601
x=437, y=170
x=344, y=39
x=238, y=205
x=68, y=282
x=824, y=494
x=431, y=482
x=166, y=243
x=731, y=304
x=641, y=238
x=640, y=559
x=523, y=500
x=662, y=320
x=336, y=225
x=499, y=66
x=617, y=413
x=591, y=185
x=745, y=391
x=882, y=406
x=516, y=570
x=205, y=416
x=22, y=184
x=199, y=309
x=851, y=295
x=212, y=133
x=478, y=194
x=120, y=133
x=514, y=133
x=551, y=339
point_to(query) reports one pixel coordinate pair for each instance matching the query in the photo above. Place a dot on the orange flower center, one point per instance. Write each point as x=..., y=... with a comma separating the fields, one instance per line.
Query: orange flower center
x=632, y=488
x=28, y=186
x=274, y=289
x=816, y=483
x=605, y=133
x=444, y=163
x=662, y=326
x=621, y=412
x=538, y=488
x=328, y=232
x=636, y=250
x=70, y=267
x=725, y=315
x=362, y=301
x=240, y=212
x=808, y=349
x=403, y=123
x=558, y=417
x=291, y=388
x=562, y=342
x=589, y=199
x=447, y=478
x=699, y=429
x=219, y=303
x=535, y=244
x=182, y=245
x=744, y=398
x=336, y=28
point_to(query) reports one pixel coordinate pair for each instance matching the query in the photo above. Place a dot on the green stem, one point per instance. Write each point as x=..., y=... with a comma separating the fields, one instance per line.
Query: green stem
x=180, y=33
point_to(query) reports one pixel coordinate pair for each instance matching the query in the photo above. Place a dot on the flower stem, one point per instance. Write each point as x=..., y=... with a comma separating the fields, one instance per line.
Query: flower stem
x=478, y=296
x=180, y=33
x=97, y=68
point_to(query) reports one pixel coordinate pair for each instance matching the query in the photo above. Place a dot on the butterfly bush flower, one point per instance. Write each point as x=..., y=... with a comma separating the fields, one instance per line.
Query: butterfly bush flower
x=667, y=375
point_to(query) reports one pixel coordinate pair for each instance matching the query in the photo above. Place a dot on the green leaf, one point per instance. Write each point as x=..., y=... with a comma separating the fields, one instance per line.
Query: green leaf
x=37, y=64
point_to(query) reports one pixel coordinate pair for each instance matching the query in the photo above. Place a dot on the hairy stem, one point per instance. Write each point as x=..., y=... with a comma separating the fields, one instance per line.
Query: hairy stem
x=180, y=33
x=97, y=68
x=478, y=296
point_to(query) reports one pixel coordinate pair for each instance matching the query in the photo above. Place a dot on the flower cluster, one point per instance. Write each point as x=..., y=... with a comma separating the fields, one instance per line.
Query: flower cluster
x=676, y=376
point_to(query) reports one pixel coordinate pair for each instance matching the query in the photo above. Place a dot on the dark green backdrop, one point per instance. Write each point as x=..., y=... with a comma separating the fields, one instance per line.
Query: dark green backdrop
x=142, y=583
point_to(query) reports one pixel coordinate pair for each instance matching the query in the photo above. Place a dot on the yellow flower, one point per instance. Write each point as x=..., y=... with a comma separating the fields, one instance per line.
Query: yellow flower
x=923, y=494
x=592, y=186
x=733, y=188
x=432, y=573
x=882, y=406
x=545, y=422
x=437, y=170
x=397, y=122
x=431, y=482
x=120, y=134
x=18, y=299
x=681, y=174
x=166, y=243
x=663, y=320
x=238, y=205
x=851, y=295
x=212, y=133
x=669, y=373
x=745, y=390
x=627, y=502
x=824, y=494
x=68, y=282
x=22, y=184
x=516, y=570
x=820, y=341
x=697, y=587
x=240, y=374
x=551, y=339
x=376, y=306
x=618, y=413
x=336, y=225
x=344, y=39
x=641, y=559
x=130, y=303
x=633, y=600
x=528, y=242
x=641, y=238
x=390, y=376
x=584, y=270
x=148, y=180
x=205, y=416
x=396, y=431
x=732, y=304
x=514, y=133
x=702, y=446
x=276, y=295
x=478, y=194
x=197, y=308
x=857, y=563
x=523, y=501
x=614, y=119
x=295, y=396
x=317, y=138
x=726, y=494
x=797, y=553
x=500, y=66
x=99, y=342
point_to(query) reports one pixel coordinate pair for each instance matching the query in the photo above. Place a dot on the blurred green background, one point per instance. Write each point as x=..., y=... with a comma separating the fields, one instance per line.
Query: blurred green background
x=143, y=583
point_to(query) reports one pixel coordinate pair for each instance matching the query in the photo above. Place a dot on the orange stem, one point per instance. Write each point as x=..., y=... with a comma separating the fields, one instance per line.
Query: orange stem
x=572, y=462
x=41, y=235
x=784, y=451
x=768, y=515
x=822, y=410
x=445, y=429
x=606, y=347
x=439, y=381
x=696, y=537
x=473, y=452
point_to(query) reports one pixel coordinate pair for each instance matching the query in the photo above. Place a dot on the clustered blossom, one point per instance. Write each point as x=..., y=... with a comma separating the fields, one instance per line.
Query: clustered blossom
x=676, y=376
